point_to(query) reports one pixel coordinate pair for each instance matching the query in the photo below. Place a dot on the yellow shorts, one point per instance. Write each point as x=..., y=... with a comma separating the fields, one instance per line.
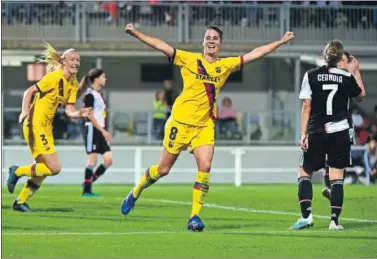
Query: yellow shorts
x=179, y=136
x=39, y=139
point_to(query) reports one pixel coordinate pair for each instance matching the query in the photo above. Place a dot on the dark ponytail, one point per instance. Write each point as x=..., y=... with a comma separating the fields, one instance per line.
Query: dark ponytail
x=87, y=80
x=83, y=86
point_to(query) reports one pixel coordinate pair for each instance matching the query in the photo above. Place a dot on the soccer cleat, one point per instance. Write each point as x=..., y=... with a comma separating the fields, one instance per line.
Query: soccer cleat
x=128, y=204
x=12, y=179
x=195, y=224
x=90, y=194
x=334, y=226
x=326, y=192
x=23, y=207
x=302, y=223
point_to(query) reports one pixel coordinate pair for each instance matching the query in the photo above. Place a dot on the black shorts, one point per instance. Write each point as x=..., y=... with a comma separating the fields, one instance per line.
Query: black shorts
x=94, y=140
x=336, y=146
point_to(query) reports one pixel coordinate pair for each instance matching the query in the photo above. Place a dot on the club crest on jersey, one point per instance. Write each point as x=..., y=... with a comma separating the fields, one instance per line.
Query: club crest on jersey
x=218, y=70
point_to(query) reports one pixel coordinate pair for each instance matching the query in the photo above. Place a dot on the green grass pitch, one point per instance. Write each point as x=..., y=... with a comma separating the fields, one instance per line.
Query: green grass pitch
x=249, y=221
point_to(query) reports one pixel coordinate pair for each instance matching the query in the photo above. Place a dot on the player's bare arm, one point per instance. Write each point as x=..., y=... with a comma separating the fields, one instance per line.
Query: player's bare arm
x=355, y=70
x=28, y=94
x=305, y=114
x=72, y=112
x=264, y=50
x=150, y=41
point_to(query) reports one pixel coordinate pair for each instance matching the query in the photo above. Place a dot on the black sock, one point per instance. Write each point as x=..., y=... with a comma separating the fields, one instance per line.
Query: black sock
x=100, y=171
x=337, y=194
x=305, y=195
x=326, y=178
x=88, y=179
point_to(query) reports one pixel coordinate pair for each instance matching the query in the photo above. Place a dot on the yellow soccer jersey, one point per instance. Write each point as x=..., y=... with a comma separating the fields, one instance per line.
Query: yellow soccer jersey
x=201, y=84
x=54, y=90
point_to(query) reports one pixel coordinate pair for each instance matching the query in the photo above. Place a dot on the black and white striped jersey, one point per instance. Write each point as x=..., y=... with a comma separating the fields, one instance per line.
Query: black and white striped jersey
x=329, y=89
x=94, y=99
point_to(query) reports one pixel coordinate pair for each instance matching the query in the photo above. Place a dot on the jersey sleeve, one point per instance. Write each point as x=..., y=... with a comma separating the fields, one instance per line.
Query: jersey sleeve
x=306, y=92
x=233, y=64
x=72, y=97
x=89, y=100
x=354, y=90
x=48, y=82
x=180, y=58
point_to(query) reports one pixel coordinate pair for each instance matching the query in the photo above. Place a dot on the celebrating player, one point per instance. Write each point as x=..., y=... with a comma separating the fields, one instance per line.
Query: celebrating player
x=345, y=64
x=191, y=124
x=325, y=92
x=96, y=136
x=58, y=87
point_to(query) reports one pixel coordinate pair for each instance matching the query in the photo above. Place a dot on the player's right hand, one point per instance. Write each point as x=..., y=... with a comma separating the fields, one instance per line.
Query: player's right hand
x=86, y=112
x=129, y=28
x=304, y=142
x=107, y=135
x=23, y=116
x=355, y=64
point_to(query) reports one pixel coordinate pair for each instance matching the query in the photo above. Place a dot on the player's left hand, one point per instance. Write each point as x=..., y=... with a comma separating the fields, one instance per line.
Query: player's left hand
x=86, y=112
x=304, y=142
x=288, y=36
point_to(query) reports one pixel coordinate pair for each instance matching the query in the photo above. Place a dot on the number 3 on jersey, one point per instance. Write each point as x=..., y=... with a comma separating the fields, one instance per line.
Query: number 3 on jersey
x=333, y=88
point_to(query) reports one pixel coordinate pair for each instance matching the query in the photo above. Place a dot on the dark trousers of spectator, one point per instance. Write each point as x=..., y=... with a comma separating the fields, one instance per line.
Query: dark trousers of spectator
x=159, y=128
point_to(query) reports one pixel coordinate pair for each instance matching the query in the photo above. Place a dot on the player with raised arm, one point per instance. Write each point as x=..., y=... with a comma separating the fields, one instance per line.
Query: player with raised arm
x=191, y=124
x=58, y=87
x=325, y=92
x=96, y=136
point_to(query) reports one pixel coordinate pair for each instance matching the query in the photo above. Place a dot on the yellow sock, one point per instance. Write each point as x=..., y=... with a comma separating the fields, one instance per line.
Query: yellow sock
x=150, y=177
x=200, y=191
x=31, y=186
x=38, y=169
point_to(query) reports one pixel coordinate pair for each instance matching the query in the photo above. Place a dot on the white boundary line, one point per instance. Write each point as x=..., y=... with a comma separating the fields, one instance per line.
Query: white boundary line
x=275, y=212
x=174, y=232
x=230, y=208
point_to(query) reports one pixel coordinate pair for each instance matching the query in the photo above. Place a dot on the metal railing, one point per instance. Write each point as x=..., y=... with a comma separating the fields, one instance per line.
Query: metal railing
x=183, y=22
x=138, y=127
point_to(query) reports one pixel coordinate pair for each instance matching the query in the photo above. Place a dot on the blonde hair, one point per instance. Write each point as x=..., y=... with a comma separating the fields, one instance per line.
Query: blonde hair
x=333, y=52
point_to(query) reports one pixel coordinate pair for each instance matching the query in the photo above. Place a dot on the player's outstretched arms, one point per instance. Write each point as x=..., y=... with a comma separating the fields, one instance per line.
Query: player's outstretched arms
x=150, y=41
x=355, y=70
x=28, y=94
x=264, y=50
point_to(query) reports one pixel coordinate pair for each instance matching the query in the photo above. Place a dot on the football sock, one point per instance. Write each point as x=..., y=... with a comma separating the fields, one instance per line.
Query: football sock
x=31, y=186
x=326, y=178
x=88, y=179
x=200, y=191
x=38, y=169
x=305, y=195
x=100, y=171
x=337, y=194
x=150, y=177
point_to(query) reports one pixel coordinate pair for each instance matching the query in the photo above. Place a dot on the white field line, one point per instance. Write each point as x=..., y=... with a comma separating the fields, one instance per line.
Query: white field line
x=275, y=212
x=168, y=232
x=230, y=208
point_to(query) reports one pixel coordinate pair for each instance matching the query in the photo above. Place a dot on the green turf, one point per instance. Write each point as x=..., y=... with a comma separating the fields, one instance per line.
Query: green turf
x=64, y=224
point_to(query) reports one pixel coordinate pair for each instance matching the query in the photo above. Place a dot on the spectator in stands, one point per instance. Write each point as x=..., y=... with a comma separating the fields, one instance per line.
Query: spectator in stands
x=170, y=95
x=227, y=118
x=370, y=160
x=374, y=116
x=112, y=8
x=159, y=115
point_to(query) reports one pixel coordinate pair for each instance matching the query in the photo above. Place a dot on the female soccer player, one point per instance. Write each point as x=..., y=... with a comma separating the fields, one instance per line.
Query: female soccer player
x=96, y=136
x=192, y=121
x=58, y=87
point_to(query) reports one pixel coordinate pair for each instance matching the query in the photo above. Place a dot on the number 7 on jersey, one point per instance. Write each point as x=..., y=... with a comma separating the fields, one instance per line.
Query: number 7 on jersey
x=334, y=89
